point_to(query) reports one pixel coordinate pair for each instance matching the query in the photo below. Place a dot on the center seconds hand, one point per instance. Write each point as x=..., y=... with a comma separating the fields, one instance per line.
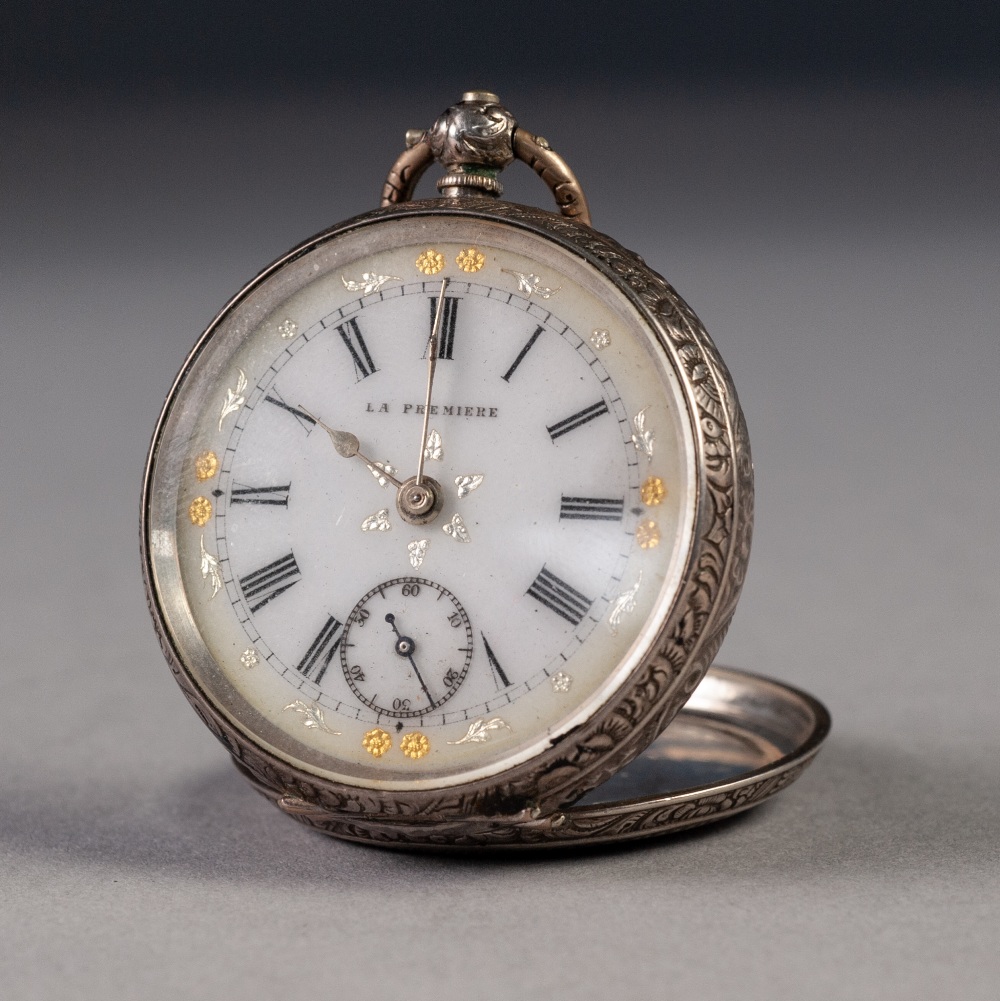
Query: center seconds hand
x=432, y=351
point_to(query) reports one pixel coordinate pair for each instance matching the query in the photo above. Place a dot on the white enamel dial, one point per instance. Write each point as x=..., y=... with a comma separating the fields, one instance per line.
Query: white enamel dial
x=374, y=647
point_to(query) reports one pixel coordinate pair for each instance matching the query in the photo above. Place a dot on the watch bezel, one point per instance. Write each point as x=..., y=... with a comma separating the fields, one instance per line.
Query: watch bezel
x=685, y=643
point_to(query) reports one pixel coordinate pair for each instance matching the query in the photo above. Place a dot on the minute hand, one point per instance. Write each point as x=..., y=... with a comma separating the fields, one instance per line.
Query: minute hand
x=432, y=352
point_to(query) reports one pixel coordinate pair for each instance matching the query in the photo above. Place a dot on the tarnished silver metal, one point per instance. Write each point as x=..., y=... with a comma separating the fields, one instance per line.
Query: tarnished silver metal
x=740, y=740
x=474, y=140
x=678, y=655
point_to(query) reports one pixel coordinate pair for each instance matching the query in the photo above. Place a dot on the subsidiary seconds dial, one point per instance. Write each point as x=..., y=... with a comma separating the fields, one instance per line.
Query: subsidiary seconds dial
x=407, y=647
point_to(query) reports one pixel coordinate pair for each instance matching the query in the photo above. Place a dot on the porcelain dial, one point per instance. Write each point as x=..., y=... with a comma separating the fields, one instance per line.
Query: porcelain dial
x=423, y=496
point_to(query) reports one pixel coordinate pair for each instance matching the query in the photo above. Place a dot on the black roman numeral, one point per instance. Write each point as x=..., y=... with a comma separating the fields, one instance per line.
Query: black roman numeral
x=557, y=595
x=360, y=355
x=498, y=672
x=592, y=508
x=520, y=358
x=577, y=420
x=268, y=582
x=304, y=419
x=446, y=335
x=276, y=496
x=322, y=650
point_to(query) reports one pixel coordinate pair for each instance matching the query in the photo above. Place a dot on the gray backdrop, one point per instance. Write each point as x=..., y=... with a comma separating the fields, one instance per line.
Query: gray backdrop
x=837, y=231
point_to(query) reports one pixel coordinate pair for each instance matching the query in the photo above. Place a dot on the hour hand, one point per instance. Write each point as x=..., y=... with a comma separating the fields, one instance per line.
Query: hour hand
x=348, y=446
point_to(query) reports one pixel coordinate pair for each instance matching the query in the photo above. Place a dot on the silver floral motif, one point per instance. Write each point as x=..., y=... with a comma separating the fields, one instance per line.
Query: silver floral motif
x=417, y=550
x=456, y=529
x=561, y=682
x=480, y=730
x=623, y=605
x=234, y=398
x=288, y=329
x=434, y=448
x=600, y=339
x=530, y=284
x=466, y=484
x=249, y=658
x=379, y=469
x=370, y=283
x=377, y=522
x=644, y=437
x=210, y=568
x=313, y=718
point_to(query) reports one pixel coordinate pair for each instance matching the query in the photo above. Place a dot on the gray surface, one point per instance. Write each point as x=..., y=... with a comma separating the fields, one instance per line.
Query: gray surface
x=843, y=249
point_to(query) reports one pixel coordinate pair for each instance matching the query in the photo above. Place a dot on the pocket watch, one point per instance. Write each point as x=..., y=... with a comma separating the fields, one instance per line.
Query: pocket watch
x=447, y=514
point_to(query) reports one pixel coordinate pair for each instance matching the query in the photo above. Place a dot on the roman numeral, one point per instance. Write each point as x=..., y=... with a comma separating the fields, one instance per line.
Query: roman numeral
x=577, y=420
x=276, y=496
x=498, y=673
x=591, y=508
x=268, y=582
x=360, y=355
x=520, y=358
x=322, y=650
x=304, y=419
x=446, y=335
x=559, y=597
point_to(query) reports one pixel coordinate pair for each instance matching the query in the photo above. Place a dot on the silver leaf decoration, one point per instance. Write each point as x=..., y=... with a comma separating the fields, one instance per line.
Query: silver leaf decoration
x=210, y=568
x=623, y=605
x=480, y=729
x=377, y=522
x=313, y=718
x=234, y=398
x=644, y=437
x=370, y=283
x=456, y=529
x=466, y=484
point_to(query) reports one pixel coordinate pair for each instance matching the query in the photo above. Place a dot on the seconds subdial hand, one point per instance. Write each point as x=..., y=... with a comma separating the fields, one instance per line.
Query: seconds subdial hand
x=348, y=446
x=405, y=647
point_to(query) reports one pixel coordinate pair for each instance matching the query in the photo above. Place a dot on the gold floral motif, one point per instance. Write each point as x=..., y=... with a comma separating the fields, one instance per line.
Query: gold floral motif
x=471, y=260
x=414, y=745
x=376, y=742
x=430, y=262
x=653, y=491
x=647, y=534
x=206, y=465
x=200, y=511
